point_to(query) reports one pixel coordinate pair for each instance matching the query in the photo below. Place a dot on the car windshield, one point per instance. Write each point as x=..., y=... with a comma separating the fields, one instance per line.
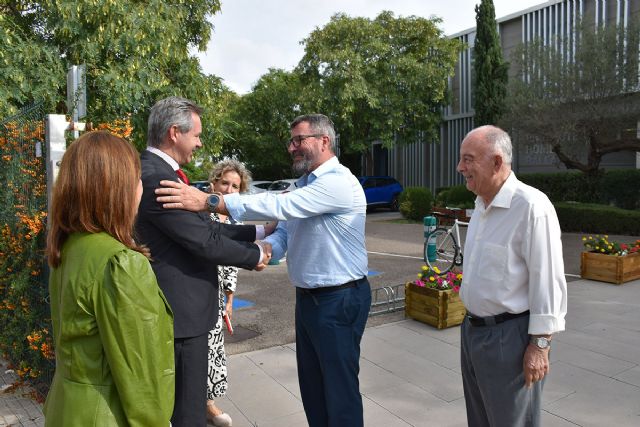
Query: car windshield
x=279, y=186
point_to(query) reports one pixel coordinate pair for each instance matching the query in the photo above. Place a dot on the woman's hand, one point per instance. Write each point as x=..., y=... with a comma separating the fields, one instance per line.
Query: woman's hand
x=229, y=305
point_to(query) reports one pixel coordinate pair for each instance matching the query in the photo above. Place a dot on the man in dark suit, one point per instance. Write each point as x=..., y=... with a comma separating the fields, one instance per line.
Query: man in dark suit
x=186, y=248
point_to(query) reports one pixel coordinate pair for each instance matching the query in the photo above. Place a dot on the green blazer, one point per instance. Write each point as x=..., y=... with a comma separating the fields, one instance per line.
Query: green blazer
x=113, y=332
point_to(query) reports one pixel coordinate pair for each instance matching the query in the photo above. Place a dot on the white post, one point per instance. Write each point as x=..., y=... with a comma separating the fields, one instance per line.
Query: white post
x=76, y=95
x=56, y=125
x=638, y=152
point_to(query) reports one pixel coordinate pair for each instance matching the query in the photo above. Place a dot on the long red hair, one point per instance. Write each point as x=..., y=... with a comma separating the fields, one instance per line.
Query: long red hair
x=95, y=191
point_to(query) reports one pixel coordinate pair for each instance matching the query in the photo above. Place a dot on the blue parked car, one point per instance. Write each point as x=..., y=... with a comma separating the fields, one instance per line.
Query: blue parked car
x=381, y=191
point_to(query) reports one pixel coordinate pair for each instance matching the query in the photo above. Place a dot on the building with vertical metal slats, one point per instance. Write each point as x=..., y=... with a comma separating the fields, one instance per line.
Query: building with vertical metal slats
x=432, y=164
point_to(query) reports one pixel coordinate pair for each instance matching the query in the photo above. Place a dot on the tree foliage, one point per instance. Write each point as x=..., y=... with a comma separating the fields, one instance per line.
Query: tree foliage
x=383, y=79
x=490, y=68
x=580, y=95
x=135, y=53
x=259, y=124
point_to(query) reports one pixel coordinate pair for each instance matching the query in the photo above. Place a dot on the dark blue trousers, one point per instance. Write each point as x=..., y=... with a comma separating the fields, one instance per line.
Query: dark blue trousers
x=329, y=328
x=190, y=406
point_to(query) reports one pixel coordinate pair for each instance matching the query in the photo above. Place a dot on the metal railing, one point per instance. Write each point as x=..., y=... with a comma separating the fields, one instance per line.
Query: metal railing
x=387, y=299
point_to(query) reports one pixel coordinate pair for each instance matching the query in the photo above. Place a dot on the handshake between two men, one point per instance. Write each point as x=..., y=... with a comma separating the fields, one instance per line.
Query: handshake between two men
x=176, y=195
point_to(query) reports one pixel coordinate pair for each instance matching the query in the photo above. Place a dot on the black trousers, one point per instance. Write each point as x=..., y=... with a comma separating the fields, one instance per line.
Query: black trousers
x=191, y=382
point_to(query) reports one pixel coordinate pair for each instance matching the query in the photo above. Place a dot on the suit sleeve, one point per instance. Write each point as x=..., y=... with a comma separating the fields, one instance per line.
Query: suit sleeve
x=222, y=244
x=136, y=328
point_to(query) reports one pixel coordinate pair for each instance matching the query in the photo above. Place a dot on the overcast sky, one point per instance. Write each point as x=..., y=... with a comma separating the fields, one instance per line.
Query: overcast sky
x=251, y=36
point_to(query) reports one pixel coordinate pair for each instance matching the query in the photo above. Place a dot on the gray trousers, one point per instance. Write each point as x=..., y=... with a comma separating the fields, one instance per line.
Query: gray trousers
x=493, y=375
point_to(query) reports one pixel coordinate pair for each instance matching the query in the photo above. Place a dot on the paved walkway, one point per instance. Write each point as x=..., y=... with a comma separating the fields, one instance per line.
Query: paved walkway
x=16, y=406
x=411, y=373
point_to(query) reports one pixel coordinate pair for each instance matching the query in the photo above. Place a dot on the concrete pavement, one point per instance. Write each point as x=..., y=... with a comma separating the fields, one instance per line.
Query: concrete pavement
x=411, y=372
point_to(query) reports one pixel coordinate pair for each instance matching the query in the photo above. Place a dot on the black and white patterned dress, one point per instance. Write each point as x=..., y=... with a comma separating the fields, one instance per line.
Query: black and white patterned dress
x=217, y=359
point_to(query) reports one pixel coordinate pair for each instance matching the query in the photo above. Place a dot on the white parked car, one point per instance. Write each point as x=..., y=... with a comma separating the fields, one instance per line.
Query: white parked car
x=256, y=187
x=282, y=186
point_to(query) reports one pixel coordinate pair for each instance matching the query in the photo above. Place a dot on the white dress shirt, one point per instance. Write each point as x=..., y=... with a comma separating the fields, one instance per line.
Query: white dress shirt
x=513, y=258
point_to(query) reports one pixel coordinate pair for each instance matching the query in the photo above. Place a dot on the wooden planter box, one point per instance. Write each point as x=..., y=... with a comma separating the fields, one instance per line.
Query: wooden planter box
x=459, y=214
x=610, y=268
x=441, y=309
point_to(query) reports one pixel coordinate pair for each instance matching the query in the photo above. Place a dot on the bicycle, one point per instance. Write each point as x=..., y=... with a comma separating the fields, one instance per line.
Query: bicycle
x=446, y=252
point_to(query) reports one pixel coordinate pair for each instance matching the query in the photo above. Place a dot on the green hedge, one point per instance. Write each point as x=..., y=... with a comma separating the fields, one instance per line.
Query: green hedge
x=621, y=188
x=455, y=197
x=416, y=203
x=25, y=320
x=616, y=187
x=594, y=218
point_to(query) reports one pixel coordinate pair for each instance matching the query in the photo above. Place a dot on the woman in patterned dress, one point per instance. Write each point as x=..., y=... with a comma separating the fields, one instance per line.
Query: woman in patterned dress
x=228, y=176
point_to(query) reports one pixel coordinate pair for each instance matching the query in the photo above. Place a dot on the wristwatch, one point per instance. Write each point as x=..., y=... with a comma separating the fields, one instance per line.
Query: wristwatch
x=540, y=342
x=212, y=202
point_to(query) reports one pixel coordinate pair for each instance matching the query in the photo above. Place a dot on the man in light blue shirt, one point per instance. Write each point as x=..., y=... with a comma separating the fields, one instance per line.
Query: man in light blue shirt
x=321, y=230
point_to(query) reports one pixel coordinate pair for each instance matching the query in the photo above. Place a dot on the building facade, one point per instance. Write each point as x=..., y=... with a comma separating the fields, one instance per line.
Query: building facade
x=432, y=164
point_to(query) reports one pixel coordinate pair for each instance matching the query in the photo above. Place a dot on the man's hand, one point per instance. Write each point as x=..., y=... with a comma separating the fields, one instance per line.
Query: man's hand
x=266, y=255
x=176, y=195
x=536, y=364
x=270, y=227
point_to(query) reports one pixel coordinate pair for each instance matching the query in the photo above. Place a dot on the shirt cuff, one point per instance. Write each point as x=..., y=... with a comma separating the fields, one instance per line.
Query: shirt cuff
x=261, y=253
x=260, y=232
x=234, y=206
x=545, y=324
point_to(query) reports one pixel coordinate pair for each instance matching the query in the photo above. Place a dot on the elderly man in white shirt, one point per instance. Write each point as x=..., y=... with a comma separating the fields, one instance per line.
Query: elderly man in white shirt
x=514, y=287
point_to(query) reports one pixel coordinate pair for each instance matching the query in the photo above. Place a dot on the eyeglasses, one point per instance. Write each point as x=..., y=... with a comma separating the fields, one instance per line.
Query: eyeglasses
x=298, y=139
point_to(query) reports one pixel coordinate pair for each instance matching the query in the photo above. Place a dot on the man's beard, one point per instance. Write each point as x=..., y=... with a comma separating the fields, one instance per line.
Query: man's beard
x=301, y=167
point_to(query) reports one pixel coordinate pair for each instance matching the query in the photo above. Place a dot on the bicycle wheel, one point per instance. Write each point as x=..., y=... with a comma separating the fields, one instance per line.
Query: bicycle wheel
x=444, y=254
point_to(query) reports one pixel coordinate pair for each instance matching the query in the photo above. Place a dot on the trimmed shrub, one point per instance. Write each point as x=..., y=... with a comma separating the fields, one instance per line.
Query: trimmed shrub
x=619, y=187
x=563, y=186
x=416, y=203
x=455, y=197
x=594, y=218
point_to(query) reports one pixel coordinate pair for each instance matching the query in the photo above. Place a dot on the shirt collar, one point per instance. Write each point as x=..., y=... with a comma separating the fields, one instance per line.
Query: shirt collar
x=505, y=195
x=325, y=167
x=167, y=158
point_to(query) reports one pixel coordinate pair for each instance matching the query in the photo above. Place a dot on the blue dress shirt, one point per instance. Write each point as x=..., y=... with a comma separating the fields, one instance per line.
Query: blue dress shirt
x=321, y=226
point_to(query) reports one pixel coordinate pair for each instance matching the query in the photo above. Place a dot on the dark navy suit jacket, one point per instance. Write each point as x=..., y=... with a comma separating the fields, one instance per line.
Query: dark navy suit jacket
x=186, y=248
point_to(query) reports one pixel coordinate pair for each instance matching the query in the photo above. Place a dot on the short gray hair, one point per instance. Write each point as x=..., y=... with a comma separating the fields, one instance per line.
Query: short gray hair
x=318, y=123
x=232, y=165
x=168, y=112
x=499, y=140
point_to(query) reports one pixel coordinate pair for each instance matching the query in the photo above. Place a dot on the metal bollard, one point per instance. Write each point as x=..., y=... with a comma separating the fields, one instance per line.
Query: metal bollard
x=430, y=223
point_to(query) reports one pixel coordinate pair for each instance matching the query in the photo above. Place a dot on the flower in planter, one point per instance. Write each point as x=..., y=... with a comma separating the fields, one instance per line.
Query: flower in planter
x=432, y=278
x=602, y=245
